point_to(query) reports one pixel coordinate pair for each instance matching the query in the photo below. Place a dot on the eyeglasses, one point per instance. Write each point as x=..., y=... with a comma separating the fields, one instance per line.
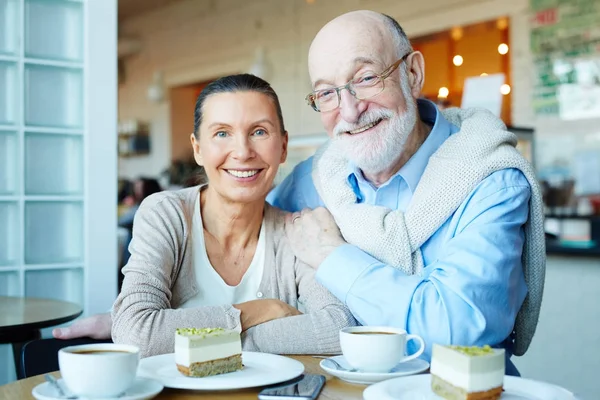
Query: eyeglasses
x=362, y=87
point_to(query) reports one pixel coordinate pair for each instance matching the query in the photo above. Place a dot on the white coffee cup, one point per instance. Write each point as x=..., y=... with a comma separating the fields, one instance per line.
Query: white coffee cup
x=377, y=348
x=98, y=370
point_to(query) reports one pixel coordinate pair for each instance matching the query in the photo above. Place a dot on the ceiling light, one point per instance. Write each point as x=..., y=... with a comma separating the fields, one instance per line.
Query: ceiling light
x=502, y=23
x=156, y=90
x=456, y=33
x=457, y=60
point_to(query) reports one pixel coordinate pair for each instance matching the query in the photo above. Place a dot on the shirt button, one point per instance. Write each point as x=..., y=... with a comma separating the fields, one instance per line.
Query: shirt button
x=259, y=295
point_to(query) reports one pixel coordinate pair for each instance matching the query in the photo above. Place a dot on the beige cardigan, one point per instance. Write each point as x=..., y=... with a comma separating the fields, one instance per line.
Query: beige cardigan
x=159, y=277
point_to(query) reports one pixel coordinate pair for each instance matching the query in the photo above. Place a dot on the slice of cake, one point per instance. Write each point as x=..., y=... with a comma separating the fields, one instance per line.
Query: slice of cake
x=208, y=351
x=467, y=373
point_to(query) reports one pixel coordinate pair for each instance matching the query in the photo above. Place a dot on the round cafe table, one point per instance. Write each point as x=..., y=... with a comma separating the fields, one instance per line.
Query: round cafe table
x=21, y=319
x=334, y=389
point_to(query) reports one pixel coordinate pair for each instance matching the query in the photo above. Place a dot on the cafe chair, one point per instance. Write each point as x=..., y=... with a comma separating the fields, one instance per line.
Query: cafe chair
x=40, y=356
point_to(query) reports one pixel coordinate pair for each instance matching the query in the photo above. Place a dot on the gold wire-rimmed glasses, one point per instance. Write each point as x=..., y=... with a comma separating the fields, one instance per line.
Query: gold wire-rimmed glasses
x=362, y=87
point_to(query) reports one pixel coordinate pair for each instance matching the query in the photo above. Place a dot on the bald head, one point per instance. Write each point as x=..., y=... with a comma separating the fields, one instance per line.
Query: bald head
x=358, y=34
x=367, y=59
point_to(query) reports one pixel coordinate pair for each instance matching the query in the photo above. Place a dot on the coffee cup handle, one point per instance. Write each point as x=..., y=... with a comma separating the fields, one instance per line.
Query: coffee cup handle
x=418, y=352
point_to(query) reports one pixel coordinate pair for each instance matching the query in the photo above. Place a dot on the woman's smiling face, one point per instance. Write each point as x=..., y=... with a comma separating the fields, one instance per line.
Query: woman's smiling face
x=240, y=145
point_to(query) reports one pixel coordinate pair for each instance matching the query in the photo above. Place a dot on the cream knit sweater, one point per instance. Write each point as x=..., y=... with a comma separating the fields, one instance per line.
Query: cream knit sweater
x=481, y=147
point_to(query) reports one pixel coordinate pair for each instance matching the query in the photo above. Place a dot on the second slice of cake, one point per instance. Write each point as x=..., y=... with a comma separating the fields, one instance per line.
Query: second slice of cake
x=467, y=373
x=208, y=351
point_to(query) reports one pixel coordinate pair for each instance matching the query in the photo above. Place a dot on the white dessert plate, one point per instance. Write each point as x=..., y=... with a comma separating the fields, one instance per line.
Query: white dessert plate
x=142, y=389
x=366, y=378
x=260, y=369
x=419, y=388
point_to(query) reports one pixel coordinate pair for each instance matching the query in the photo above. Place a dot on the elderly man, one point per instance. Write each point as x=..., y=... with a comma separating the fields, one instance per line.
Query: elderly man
x=441, y=225
x=440, y=217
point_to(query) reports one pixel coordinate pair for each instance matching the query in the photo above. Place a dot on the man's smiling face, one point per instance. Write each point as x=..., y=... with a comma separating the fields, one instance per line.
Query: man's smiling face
x=371, y=132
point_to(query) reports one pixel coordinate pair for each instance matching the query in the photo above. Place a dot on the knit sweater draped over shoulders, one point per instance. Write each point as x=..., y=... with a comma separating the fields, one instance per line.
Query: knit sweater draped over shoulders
x=159, y=278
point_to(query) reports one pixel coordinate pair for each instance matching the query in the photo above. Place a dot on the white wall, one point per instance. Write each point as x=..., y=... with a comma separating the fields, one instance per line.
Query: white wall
x=194, y=41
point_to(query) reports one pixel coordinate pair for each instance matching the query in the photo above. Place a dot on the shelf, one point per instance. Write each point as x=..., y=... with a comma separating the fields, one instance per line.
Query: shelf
x=54, y=131
x=9, y=36
x=53, y=97
x=133, y=145
x=53, y=63
x=8, y=92
x=9, y=233
x=8, y=162
x=53, y=164
x=45, y=267
x=8, y=58
x=555, y=247
x=56, y=198
x=54, y=30
x=53, y=232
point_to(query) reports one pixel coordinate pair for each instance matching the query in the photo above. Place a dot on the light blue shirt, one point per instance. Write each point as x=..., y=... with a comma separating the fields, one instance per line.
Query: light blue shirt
x=472, y=285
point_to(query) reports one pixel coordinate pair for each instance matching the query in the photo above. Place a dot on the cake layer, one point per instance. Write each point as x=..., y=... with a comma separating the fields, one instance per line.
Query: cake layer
x=186, y=356
x=212, y=367
x=471, y=368
x=194, y=345
x=471, y=382
x=451, y=392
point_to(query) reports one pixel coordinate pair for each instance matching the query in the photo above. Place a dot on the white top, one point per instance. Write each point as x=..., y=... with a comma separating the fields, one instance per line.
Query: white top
x=213, y=290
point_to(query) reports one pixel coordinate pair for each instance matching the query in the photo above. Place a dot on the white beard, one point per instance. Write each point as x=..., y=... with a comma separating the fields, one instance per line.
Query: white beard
x=376, y=152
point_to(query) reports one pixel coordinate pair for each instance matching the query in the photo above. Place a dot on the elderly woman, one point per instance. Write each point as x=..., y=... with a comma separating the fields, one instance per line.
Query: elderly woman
x=216, y=255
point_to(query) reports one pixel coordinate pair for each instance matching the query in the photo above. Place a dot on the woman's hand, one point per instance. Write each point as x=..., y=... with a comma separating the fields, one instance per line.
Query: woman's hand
x=97, y=326
x=256, y=312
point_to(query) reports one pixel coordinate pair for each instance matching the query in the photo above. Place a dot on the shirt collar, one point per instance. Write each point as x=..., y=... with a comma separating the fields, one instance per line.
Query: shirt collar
x=412, y=171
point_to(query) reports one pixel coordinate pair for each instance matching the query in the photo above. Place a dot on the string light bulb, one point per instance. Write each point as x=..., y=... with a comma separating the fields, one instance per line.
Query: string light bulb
x=457, y=60
x=502, y=48
x=505, y=89
x=443, y=93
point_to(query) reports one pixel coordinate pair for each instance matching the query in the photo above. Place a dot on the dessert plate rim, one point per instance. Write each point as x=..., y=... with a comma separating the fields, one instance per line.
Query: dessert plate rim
x=421, y=385
x=142, y=389
x=260, y=369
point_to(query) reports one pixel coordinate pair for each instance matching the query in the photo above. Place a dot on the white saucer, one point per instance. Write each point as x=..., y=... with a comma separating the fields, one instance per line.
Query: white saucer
x=366, y=378
x=142, y=389
x=419, y=387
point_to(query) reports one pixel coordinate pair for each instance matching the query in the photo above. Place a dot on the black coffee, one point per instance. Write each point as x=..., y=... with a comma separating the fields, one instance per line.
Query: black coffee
x=100, y=352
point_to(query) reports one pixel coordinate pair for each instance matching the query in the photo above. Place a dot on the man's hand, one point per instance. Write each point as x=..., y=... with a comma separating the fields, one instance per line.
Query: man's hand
x=313, y=235
x=256, y=312
x=96, y=327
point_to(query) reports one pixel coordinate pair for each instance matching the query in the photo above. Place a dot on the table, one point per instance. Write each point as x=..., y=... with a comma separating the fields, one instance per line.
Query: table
x=21, y=319
x=334, y=389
